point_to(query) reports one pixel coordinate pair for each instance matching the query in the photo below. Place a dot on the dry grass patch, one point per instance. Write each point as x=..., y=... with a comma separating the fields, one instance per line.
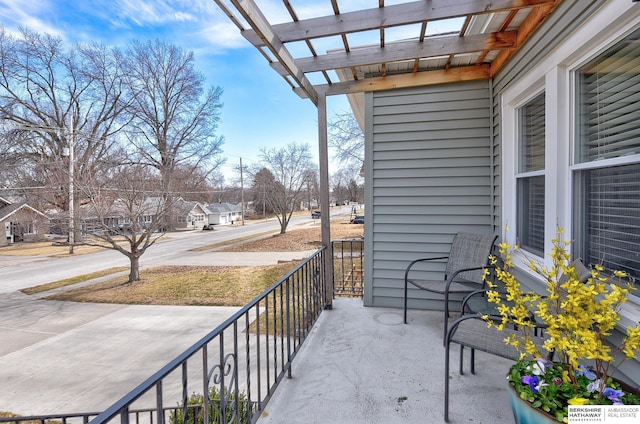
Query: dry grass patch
x=299, y=239
x=74, y=280
x=4, y=414
x=207, y=286
x=45, y=248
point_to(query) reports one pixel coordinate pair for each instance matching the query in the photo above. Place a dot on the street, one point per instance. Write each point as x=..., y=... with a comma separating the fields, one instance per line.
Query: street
x=20, y=272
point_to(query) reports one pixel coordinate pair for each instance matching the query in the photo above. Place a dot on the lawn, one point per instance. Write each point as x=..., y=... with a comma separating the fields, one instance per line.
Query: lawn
x=212, y=286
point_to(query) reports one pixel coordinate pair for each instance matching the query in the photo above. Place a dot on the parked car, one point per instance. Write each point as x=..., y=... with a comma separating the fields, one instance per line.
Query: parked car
x=315, y=214
x=358, y=219
x=207, y=227
x=125, y=229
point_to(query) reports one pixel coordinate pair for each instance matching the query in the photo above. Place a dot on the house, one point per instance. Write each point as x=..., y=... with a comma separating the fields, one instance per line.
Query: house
x=21, y=222
x=224, y=213
x=189, y=214
x=181, y=215
x=521, y=119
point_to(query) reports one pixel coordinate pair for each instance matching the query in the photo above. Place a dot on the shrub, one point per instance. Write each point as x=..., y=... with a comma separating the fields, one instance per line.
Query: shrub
x=235, y=411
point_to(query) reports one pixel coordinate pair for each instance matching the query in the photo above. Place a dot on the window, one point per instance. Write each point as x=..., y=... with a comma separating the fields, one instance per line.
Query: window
x=530, y=175
x=607, y=158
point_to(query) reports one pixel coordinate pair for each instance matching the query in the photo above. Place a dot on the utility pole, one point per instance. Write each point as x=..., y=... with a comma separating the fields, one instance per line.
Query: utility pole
x=242, y=191
x=72, y=226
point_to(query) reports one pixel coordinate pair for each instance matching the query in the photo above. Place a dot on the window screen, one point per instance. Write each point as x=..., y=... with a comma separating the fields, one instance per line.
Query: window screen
x=607, y=213
x=609, y=103
x=530, y=187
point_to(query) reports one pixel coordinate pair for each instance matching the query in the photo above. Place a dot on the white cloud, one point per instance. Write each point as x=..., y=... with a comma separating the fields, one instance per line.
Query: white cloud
x=144, y=12
x=223, y=35
x=16, y=13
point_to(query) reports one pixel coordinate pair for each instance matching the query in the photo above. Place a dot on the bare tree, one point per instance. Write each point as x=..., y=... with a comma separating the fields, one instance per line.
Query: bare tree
x=126, y=212
x=289, y=166
x=45, y=91
x=347, y=139
x=312, y=188
x=355, y=191
x=174, y=120
x=262, y=180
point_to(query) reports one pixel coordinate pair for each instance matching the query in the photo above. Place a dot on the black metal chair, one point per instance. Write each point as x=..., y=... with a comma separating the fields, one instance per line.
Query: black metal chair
x=468, y=257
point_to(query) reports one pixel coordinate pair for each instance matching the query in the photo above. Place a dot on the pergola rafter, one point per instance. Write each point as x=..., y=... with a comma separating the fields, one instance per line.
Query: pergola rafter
x=442, y=41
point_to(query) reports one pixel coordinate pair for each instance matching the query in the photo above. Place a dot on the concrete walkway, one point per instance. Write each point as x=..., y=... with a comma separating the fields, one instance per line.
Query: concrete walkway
x=67, y=357
x=63, y=357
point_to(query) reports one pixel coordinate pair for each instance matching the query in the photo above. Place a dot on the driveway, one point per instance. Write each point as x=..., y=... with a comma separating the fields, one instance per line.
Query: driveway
x=64, y=357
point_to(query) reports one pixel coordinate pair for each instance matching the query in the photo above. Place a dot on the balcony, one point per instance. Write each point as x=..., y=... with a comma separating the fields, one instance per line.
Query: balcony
x=348, y=364
x=362, y=365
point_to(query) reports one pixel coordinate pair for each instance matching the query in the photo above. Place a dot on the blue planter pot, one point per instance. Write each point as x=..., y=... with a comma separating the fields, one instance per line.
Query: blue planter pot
x=524, y=413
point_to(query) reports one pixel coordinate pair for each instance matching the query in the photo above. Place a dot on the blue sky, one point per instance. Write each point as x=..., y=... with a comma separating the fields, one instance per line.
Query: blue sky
x=260, y=109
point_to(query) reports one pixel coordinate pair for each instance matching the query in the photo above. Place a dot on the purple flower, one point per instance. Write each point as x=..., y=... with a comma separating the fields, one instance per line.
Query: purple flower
x=532, y=381
x=586, y=372
x=613, y=395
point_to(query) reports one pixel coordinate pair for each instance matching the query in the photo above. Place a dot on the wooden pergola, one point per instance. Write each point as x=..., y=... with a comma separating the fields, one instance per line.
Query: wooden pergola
x=385, y=47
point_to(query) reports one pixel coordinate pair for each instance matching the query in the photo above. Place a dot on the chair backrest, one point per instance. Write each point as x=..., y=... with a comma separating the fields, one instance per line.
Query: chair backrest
x=469, y=250
x=582, y=271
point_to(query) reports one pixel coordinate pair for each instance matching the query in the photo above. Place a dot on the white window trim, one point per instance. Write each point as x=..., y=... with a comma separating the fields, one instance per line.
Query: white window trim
x=554, y=75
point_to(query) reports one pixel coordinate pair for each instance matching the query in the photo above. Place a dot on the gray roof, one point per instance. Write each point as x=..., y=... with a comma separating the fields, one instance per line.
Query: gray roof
x=8, y=210
x=224, y=207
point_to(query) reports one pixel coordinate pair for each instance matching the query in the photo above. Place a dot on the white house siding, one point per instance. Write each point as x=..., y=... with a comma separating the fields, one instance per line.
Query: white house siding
x=567, y=18
x=428, y=176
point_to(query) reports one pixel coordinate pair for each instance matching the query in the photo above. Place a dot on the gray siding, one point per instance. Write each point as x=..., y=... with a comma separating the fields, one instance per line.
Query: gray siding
x=428, y=176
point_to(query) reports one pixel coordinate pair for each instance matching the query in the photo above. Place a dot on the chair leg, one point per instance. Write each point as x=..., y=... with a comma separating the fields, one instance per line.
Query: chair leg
x=405, y=300
x=446, y=315
x=446, y=382
x=473, y=361
x=461, y=365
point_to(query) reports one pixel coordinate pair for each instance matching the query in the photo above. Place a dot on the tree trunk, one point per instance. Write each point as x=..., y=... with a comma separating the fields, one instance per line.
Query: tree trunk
x=134, y=272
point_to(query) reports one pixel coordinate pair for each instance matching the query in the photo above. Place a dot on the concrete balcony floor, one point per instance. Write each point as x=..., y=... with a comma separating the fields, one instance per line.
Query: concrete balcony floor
x=363, y=365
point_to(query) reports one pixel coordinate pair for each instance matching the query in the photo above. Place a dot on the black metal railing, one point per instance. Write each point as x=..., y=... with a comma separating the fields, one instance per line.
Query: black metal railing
x=229, y=375
x=348, y=267
x=81, y=417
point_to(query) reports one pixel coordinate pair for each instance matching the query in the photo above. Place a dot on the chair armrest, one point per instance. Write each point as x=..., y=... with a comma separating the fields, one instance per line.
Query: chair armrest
x=454, y=325
x=455, y=274
x=471, y=295
x=412, y=263
x=475, y=293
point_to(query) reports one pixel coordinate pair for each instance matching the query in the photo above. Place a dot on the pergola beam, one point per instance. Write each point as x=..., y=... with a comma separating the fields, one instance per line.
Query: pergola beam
x=256, y=20
x=388, y=16
x=440, y=76
x=408, y=50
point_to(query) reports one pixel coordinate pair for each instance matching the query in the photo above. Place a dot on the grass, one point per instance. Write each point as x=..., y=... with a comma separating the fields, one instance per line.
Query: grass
x=46, y=248
x=231, y=242
x=4, y=414
x=206, y=286
x=211, y=286
x=74, y=280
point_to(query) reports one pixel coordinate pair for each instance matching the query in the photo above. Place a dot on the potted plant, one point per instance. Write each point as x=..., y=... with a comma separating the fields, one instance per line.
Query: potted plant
x=577, y=319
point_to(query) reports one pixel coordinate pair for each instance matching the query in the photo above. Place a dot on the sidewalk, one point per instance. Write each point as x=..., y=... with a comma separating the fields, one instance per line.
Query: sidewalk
x=63, y=357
